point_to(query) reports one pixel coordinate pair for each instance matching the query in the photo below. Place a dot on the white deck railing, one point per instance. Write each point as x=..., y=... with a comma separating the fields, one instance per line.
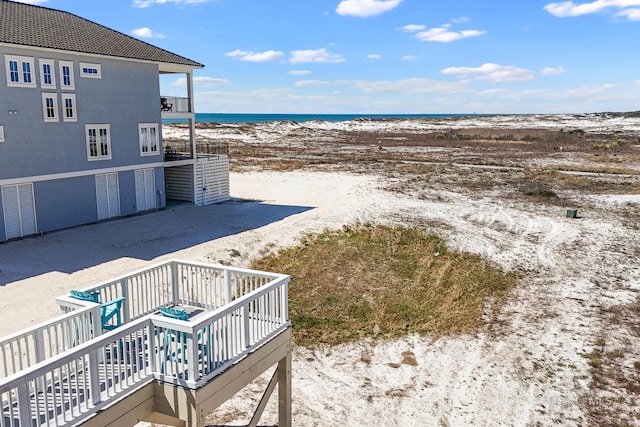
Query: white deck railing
x=242, y=310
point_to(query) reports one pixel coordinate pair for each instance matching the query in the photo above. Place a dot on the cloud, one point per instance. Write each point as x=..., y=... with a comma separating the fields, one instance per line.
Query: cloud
x=311, y=83
x=412, y=85
x=408, y=58
x=444, y=35
x=630, y=14
x=413, y=28
x=269, y=55
x=569, y=8
x=365, y=8
x=299, y=72
x=146, y=33
x=147, y=3
x=201, y=81
x=374, y=56
x=319, y=55
x=492, y=72
x=550, y=71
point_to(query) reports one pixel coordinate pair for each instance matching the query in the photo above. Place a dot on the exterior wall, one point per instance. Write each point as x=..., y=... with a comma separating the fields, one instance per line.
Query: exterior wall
x=54, y=155
x=127, y=94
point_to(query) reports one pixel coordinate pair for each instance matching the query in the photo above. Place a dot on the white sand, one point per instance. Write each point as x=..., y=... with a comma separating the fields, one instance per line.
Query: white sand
x=524, y=370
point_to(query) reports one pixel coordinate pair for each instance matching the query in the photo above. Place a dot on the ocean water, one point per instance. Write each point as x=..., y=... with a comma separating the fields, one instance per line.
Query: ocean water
x=261, y=118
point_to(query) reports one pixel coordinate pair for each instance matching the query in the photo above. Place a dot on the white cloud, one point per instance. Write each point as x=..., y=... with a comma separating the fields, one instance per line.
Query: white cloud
x=311, y=83
x=408, y=58
x=444, y=35
x=550, y=71
x=630, y=14
x=201, y=81
x=319, y=55
x=412, y=85
x=299, y=72
x=569, y=8
x=413, y=28
x=492, y=72
x=146, y=33
x=243, y=55
x=365, y=8
x=147, y=3
x=374, y=56
x=460, y=19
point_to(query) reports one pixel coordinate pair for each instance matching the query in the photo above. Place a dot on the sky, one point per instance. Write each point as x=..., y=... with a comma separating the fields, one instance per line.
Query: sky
x=390, y=56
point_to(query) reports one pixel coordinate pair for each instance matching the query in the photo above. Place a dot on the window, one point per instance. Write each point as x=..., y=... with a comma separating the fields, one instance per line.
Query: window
x=69, y=108
x=50, y=107
x=98, y=142
x=19, y=71
x=1, y=133
x=148, y=139
x=66, y=75
x=47, y=74
x=92, y=71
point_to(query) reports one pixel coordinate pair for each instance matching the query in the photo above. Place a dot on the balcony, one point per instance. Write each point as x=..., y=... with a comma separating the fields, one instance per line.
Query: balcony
x=181, y=150
x=174, y=104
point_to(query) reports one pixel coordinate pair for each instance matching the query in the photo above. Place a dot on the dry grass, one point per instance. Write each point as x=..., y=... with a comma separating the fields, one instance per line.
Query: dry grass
x=378, y=281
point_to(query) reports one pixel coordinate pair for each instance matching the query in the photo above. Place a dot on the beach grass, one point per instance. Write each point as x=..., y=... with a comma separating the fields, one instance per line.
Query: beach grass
x=383, y=282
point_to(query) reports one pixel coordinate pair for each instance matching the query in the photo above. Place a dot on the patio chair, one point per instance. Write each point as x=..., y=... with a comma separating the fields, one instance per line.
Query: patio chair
x=110, y=311
x=175, y=342
x=164, y=105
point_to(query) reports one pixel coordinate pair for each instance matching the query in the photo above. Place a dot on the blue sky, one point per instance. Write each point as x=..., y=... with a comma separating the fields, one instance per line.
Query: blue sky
x=391, y=56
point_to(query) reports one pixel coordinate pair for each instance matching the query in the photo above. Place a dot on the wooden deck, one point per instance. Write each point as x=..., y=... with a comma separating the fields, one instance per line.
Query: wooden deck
x=235, y=316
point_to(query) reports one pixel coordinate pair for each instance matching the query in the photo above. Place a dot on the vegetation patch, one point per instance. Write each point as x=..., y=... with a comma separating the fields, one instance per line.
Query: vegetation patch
x=379, y=281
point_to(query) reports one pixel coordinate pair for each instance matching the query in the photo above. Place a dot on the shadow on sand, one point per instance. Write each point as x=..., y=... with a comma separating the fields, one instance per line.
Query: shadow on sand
x=143, y=237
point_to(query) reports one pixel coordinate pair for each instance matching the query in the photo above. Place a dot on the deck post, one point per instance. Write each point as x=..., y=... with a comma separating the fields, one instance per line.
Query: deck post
x=284, y=389
x=245, y=326
x=38, y=342
x=174, y=282
x=94, y=377
x=24, y=404
x=227, y=286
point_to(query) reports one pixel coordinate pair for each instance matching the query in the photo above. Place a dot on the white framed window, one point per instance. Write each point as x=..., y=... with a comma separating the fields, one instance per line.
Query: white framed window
x=91, y=71
x=1, y=133
x=66, y=75
x=19, y=71
x=98, y=142
x=148, y=133
x=50, y=107
x=47, y=73
x=69, y=109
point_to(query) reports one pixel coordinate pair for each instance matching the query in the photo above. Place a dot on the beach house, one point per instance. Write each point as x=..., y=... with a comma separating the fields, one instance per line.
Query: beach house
x=81, y=125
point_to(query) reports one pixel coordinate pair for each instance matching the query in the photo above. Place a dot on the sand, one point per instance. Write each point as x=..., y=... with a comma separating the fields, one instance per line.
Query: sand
x=580, y=284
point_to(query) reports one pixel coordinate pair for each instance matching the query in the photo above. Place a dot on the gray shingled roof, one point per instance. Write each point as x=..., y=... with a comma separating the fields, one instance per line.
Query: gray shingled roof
x=37, y=26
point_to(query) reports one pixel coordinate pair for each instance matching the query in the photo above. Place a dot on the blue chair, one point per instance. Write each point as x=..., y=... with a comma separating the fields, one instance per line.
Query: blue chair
x=110, y=312
x=175, y=342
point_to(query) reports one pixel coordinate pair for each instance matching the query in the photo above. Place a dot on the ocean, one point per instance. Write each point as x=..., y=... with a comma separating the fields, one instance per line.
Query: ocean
x=261, y=118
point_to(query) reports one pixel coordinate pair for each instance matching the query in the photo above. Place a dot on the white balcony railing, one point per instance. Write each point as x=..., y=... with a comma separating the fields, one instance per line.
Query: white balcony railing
x=241, y=310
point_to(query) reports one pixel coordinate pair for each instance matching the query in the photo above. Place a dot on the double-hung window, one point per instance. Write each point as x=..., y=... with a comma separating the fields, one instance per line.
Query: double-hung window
x=148, y=139
x=98, y=142
x=69, y=108
x=47, y=73
x=19, y=71
x=50, y=107
x=66, y=75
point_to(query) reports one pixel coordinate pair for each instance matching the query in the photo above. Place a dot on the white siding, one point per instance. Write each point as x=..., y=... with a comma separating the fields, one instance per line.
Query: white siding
x=212, y=181
x=19, y=210
x=107, y=195
x=145, y=190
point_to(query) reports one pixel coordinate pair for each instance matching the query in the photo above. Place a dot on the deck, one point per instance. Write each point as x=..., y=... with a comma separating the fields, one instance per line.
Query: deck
x=68, y=371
